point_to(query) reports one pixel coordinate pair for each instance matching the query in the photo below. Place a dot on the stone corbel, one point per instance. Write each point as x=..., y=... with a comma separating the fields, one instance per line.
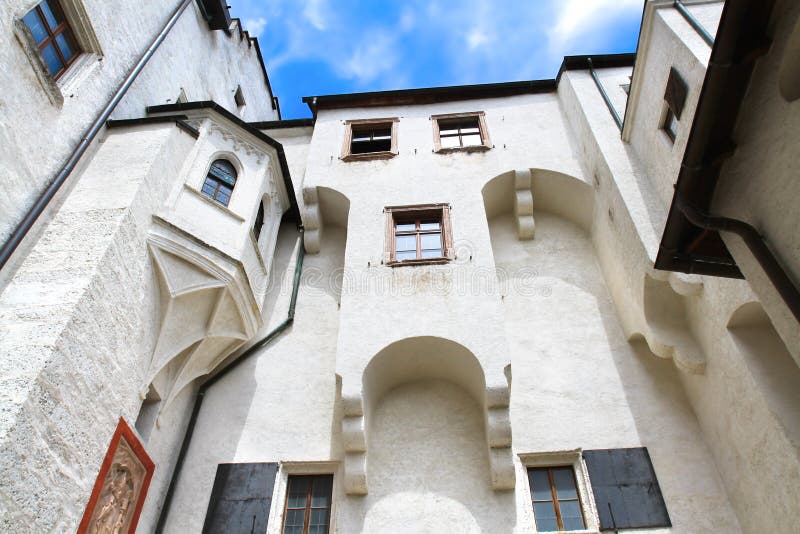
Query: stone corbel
x=312, y=220
x=498, y=433
x=354, y=440
x=523, y=204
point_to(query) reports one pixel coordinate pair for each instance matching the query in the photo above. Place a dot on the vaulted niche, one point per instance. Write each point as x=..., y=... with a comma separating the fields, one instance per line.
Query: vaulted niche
x=772, y=367
x=425, y=397
x=326, y=215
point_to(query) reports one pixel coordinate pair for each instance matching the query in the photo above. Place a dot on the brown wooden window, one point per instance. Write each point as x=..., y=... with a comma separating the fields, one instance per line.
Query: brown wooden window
x=556, y=504
x=460, y=132
x=53, y=35
x=220, y=181
x=370, y=139
x=308, y=504
x=418, y=234
x=670, y=124
x=674, y=101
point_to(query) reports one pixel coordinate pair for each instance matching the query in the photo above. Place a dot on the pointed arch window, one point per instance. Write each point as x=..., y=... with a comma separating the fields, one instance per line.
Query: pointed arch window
x=220, y=181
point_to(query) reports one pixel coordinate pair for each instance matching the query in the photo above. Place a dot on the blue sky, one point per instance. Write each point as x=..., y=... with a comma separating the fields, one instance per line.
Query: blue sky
x=316, y=47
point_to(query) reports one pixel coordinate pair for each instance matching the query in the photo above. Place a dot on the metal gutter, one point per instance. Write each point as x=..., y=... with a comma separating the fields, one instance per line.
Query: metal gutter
x=788, y=291
x=213, y=106
x=198, y=402
x=47, y=195
x=694, y=23
x=603, y=93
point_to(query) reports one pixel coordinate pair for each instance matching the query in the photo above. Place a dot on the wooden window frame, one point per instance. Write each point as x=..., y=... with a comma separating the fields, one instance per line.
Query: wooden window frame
x=554, y=494
x=417, y=212
x=52, y=33
x=665, y=124
x=486, y=143
x=564, y=458
x=308, y=507
x=347, y=155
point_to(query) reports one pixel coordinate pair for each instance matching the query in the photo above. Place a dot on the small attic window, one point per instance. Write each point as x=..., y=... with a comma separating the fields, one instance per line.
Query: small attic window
x=370, y=139
x=238, y=97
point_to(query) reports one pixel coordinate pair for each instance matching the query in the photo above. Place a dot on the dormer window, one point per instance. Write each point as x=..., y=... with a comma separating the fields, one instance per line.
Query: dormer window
x=220, y=180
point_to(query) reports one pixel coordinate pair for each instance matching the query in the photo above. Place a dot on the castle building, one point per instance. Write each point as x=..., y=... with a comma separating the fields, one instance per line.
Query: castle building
x=553, y=305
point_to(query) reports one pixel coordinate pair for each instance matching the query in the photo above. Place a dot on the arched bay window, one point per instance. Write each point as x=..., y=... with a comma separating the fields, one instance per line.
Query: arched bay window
x=220, y=181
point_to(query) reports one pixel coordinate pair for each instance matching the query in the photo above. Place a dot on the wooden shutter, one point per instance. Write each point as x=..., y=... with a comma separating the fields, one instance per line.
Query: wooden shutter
x=240, y=499
x=675, y=94
x=625, y=485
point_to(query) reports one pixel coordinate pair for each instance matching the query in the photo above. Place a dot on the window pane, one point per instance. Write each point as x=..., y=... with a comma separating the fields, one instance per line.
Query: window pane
x=208, y=187
x=34, y=24
x=406, y=242
x=571, y=515
x=430, y=241
x=321, y=492
x=319, y=516
x=288, y=529
x=295, y=518
x=223, y=197
x=450, y=142
x=540, y=485
x=361, y=136
x=298, y=490
x=319, y=529
x=51, y=59
x=471, y=140
x=224, y=171
x=66, y=44
x=383, y=133
x=431, y=253
x=52, y=13
x=410, y=227
x=448, y=129
x=565, y=483
x=412, y=255
x=545, y=515
x=470, y=130
x=430, y=225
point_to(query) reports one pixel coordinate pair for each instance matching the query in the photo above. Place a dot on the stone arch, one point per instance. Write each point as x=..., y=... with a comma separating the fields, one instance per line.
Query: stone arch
x=524, y=191
x=417, y=359
x=323, y=206
x=769, y=363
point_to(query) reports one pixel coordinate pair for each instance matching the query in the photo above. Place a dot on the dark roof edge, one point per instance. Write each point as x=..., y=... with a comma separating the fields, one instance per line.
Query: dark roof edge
x=466, y=92
x=288, y=123
x=211, y=105
x=179, y=120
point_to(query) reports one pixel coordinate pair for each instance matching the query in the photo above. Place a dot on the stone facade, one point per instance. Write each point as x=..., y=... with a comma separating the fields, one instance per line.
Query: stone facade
x=426, y=390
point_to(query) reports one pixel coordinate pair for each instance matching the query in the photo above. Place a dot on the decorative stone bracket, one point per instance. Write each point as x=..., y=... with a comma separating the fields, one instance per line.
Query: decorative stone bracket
x=523, y=204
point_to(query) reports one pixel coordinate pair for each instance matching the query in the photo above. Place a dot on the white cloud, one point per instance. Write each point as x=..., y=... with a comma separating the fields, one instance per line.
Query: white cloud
x=374, y=56
x=477, y=38
x=575, y=17
x=314, y=13
x=255, y=26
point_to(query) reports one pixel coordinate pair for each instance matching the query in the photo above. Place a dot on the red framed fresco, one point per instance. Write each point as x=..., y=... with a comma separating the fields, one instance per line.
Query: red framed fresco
x=121, y=486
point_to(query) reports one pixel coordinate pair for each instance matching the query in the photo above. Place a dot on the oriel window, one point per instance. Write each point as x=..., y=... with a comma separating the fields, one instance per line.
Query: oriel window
x=556, y=504
x=53, y=35
x=308, y=504
x=220, y=181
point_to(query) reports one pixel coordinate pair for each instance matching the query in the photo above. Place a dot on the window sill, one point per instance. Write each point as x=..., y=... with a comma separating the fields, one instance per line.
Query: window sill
x=369, y=156
x=426, y=261
x=214, y=203
x=467, y=149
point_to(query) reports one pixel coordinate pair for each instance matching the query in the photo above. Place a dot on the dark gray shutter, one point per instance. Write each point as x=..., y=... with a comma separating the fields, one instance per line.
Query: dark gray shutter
x=624, y=483
x=675, y=94
x=240, y=499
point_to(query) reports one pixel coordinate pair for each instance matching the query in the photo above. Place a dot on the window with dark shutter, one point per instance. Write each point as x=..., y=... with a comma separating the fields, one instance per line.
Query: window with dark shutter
x=625, y=489
x=240, y=499
x=675, y=93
